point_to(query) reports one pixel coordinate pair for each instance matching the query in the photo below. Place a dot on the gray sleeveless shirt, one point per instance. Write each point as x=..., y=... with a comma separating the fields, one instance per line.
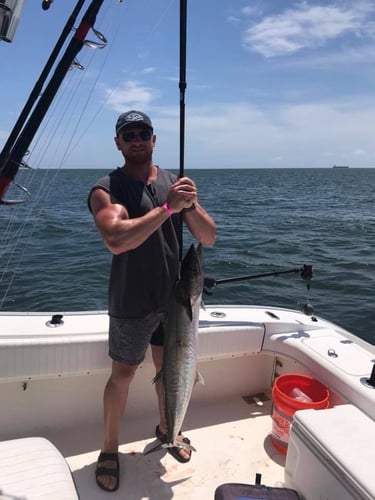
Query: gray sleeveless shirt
x=141, y=279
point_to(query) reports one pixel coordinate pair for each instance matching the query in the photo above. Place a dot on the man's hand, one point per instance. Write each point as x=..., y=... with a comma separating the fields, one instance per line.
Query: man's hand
x=182, y=194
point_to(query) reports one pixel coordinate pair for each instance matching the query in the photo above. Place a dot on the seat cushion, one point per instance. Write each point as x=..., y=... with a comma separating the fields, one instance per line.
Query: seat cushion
x=33, y=468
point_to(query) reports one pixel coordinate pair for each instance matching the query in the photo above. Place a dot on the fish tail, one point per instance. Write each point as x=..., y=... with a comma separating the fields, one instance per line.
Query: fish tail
x=175, y=444
x=158, y=377
x=199, y=379
x=155, y=448
x=179, y=444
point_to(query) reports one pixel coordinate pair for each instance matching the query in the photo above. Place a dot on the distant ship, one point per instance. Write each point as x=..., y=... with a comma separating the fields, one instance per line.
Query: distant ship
x=340, y=166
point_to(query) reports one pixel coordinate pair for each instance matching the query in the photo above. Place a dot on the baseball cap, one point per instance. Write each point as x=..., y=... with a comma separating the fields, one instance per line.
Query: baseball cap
x=132, y=117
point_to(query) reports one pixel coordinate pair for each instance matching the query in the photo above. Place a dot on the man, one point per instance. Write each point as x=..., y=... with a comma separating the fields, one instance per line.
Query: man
x=137, y=209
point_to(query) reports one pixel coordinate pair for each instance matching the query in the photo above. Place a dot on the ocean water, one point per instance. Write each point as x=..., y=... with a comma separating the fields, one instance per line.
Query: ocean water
x=52, y=258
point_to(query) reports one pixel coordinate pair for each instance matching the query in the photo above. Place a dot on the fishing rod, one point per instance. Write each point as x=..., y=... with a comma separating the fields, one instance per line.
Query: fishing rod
x=36, y=92
x=182, y=87
x=305, y=272
x=11, y=159
x=182, y=82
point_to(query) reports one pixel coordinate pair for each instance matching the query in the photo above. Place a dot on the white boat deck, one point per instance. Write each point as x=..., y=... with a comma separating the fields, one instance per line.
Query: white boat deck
x=52, y=383
x=232, y=440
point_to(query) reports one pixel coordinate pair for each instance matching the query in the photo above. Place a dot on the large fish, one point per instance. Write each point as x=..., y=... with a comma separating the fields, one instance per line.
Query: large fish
x=179, y=370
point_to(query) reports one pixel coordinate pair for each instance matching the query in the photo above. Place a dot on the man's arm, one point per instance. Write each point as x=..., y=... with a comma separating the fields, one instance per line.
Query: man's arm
x=200, y=224
x=119, y=232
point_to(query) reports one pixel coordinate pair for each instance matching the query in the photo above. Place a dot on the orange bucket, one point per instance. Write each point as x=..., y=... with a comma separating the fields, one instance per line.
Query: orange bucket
x=292, y=392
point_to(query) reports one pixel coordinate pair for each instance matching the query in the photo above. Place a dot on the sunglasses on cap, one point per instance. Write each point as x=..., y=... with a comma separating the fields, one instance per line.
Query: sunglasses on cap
x=144, y=135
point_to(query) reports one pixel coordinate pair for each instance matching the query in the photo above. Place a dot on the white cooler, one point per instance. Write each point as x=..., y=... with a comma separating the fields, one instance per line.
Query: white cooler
x=331, y=454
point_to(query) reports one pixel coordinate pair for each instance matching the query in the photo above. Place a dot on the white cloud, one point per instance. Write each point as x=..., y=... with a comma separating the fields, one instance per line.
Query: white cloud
x=241, y=135
x=333, y=59
x=245, y=12
x=233, y=20
x=130, y=94
x=307, y=26
x=251, y=11
x=358, y=152
x=149, y=70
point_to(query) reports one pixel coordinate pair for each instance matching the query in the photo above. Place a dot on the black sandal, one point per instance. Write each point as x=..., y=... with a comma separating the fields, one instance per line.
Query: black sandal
x=175, y=450
x=107, y=471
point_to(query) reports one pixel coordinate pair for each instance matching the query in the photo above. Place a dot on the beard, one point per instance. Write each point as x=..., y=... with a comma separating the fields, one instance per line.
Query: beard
x=139, y=156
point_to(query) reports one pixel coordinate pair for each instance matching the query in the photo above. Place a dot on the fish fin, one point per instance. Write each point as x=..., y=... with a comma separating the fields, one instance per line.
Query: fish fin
x=159, y=446
x=199, y=379
x=157, y=377
x=176, y=444
x=189, y=310
x=184, y=301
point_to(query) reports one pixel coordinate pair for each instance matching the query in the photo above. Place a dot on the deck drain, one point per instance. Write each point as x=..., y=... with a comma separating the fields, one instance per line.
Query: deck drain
x=257, y=399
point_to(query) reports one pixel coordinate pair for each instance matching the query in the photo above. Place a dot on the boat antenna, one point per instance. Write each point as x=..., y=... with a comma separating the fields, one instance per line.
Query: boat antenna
x=18, y=142
x=182, y=87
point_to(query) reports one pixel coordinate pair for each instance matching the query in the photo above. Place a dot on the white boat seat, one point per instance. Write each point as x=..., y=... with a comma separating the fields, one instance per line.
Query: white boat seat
x=33, y=468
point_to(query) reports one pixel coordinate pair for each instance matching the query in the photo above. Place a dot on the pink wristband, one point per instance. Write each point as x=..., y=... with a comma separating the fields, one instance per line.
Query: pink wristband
x=167, y=208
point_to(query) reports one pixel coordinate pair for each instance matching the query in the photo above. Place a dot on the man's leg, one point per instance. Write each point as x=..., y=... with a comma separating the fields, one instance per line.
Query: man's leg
x=115, y=398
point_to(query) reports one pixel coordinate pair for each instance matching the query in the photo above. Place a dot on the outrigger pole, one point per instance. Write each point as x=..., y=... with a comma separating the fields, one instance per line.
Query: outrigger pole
x=18, y=142
x=305, y=272
x=182, y=87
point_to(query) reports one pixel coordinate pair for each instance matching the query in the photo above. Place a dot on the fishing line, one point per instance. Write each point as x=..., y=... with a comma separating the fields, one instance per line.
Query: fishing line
x=35, y=93
x=46, y=130
x=54, y=109
x=109, y=49
x=115, y=31
x=85, y=75
x=58, y=111
x=40, y=196
x=25, y=137
x=150, y=32
x=14, y=249
x=146, y=39
x=31, y=210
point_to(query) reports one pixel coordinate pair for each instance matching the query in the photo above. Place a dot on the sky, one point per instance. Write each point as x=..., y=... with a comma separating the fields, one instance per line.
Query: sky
x=270, y=83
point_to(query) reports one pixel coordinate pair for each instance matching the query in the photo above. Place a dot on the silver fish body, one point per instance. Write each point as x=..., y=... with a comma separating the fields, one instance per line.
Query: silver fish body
x=179, y=370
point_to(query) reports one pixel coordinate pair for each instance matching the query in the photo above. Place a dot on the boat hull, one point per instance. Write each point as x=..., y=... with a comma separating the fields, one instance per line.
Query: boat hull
x=52, y=380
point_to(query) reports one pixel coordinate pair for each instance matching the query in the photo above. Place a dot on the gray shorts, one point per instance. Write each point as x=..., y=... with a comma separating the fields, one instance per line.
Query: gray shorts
x=129, y=338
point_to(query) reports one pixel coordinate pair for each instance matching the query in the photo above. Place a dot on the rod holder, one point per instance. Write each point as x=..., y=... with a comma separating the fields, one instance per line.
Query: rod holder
x=371, y=380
